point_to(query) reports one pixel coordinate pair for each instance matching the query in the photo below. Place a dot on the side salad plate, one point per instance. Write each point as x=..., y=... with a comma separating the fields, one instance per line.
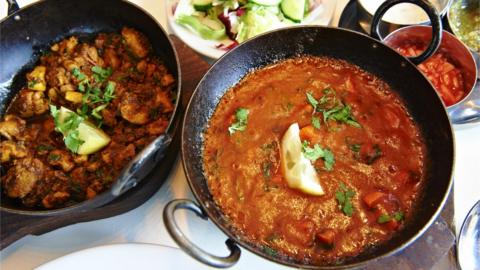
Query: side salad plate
x=213, y=27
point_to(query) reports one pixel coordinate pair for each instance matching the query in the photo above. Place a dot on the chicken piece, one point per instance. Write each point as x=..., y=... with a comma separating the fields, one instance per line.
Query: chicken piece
x=111, y=58
x=143, y=106
x=108, y=115
x=95, y=188
x=22, y=177
x=80, y=159
x=93, y=166
x=36, y=79
x=52, y=94
x=66, y=46
x=10, y=149
x=61, y=158
x=163, y=99
x=29, y=103
x=67, y=88
x=167, y=80
x=54, y=199
x=136, y=42
x=70, y=64
x=118, y=155
x=12, y=127
x=48, y=126
x=90, y=54
x=157, y=127
x=134, y=109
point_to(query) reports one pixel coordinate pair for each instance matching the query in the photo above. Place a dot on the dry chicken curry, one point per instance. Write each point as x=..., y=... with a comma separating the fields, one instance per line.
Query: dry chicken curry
x=314, y=159
x=87, y=109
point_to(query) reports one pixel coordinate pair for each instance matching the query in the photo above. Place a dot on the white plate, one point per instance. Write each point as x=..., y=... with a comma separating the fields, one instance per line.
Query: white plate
x=125, y=256
x=209, y=47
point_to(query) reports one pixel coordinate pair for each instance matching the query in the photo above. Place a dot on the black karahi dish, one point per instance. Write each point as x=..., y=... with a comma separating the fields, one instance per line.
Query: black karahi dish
x=32, y=30
x=421, y=100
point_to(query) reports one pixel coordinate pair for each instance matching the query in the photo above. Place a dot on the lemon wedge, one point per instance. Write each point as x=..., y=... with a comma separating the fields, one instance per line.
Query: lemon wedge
x=297, y=169
x=93, y=138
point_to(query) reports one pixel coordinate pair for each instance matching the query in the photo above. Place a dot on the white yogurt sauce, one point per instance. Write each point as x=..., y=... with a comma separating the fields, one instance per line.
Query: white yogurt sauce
x=403, y=13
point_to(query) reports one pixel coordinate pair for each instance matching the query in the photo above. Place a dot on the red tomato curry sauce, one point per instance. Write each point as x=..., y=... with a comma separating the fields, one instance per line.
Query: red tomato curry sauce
x=372, y=167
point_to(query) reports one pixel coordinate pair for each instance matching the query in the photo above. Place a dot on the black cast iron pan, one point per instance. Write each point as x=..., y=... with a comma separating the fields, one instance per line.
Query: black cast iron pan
x=26, y=33
x=421, y=99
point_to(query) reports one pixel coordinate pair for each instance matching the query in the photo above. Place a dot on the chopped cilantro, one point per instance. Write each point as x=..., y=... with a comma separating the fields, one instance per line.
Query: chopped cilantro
x=312, y=101
x=78, y=74
x=72, y=141
x=341, y=114
x=398, y=216
x=68, y=128
x=44, y=147
x=332, y=108
x=241, y=119
x=376, y=154
x=97, y=110
x=318, y=152
x=266, y=168
x=108, y=93
x=101, y=74
x=344, y=196
x=270, y=251
x=316, y=122
x=384, y=218
x=355, y=147
x=53, y=157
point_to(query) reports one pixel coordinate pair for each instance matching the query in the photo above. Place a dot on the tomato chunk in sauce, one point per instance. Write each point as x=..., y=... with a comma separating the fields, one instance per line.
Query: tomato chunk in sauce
x=371, y=171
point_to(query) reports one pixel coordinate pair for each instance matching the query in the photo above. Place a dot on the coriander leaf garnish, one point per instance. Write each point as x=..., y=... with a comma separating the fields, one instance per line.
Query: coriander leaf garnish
x=376, y=154
x=78, y=74
x=312, y=101
x=398, y=216
x=108, y=93
x=344, y=196
x=53, y=157
x=312, y=153
x=270, y=251
x=332, y=108
x=384, y=218
x=342, y=114
x=316, y=122
x=72, y=141
x=44, y=147
x=68, y=127
x=241, y=119
x=328, y=159
x=355, y=147
x=101, y=74
x=318, y=152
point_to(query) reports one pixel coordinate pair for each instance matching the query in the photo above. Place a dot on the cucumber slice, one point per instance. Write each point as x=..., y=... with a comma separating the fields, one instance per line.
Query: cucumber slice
x=266, y=2
x=202, y=5
x=293, y=9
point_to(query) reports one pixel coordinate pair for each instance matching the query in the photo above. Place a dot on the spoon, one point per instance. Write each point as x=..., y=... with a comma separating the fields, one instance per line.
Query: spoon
x=468, y=246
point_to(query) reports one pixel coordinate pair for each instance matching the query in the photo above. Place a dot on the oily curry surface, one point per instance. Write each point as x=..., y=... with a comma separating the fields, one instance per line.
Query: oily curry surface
x=366, y=150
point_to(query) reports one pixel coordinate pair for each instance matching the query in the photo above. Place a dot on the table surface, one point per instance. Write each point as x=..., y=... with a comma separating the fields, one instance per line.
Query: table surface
x=145, y=225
